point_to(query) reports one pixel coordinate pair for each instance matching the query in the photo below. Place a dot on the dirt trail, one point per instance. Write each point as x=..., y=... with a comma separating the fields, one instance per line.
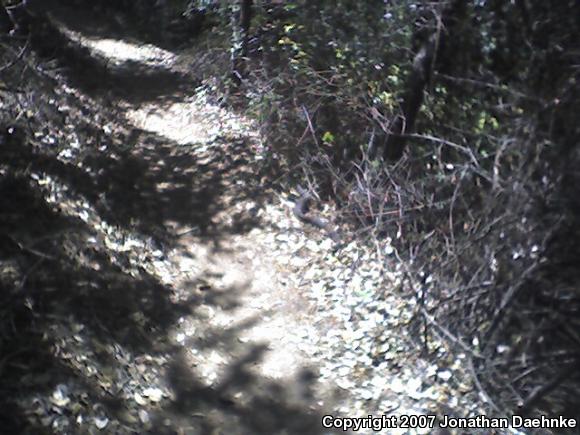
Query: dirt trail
x=237, y=277
x=248, y=344
x=279, y=328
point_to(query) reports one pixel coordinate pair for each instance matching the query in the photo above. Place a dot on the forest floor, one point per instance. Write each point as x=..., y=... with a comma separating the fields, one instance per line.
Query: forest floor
x=198, y=304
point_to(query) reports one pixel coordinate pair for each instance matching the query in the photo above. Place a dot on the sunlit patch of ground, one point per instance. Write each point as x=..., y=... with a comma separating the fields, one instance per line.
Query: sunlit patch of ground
x=118, y=52
x=121, y=51
x=192, y=120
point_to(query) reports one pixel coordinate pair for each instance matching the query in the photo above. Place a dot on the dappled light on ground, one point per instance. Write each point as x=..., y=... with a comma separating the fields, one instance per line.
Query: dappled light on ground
x=119, y=52
x=153, y=310
x=155, y=278
x=192, y=121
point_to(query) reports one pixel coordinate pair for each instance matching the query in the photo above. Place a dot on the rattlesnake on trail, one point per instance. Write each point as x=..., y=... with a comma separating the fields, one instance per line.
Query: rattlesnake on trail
x=301, y=208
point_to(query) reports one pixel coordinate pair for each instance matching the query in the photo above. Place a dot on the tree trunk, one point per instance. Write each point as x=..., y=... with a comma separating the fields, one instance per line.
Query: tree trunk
x=241, y=30
x=413, y=98
x=419, y=78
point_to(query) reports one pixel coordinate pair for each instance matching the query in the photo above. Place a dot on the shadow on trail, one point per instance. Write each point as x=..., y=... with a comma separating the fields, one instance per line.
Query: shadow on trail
x=163, y=186
x=138, y=179
x=68, y=310
x=132, y=80
x=159, y=187
x=125, y=20
x=76, y=322
x=93, y=20
x=242, y=403
x=84, y=331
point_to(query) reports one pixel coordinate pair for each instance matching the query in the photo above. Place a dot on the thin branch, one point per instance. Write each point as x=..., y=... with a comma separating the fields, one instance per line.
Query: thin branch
x=449, y=335
x=545, y=389
x=461, y=148
x=310, y=126
x=17, y=58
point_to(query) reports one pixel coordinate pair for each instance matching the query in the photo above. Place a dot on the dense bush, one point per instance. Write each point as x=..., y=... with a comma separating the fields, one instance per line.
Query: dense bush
x=481, y=98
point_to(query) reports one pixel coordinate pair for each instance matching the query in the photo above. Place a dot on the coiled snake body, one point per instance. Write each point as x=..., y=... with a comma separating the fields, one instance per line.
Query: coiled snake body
x=301, y=209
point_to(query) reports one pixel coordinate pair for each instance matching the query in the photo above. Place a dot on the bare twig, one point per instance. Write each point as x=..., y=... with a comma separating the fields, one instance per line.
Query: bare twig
x=310, y=126
x=458, y=147
x=17, y=58
x=480, y=388
x=451, y=337
x=545, y=389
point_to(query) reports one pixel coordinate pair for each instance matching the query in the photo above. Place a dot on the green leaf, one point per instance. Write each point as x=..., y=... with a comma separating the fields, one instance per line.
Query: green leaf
x=328, y=137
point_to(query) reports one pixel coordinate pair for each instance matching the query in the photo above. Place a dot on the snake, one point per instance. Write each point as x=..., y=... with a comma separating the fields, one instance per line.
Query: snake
x=301, y=211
